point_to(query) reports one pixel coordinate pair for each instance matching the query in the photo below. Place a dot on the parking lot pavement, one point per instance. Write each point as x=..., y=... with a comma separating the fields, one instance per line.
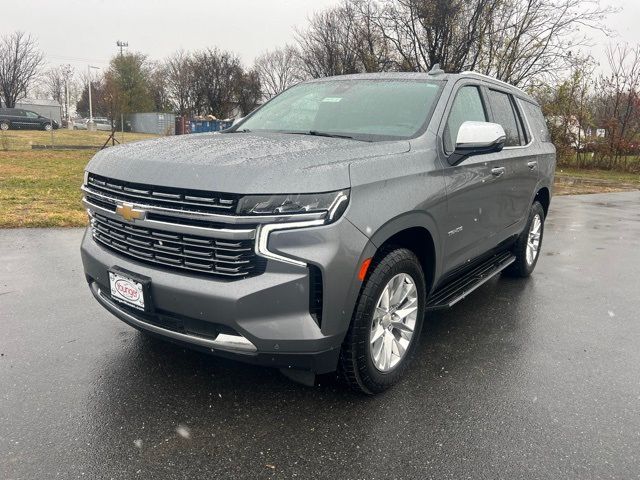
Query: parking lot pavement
x=528, y=379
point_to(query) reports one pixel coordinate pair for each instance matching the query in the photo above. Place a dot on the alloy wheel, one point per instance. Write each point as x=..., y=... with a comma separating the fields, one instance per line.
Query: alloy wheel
x=533, y=240
x=393, y=322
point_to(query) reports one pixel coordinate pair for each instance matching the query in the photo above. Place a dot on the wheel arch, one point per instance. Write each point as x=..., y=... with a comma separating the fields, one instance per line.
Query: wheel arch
x=416, y=231
x=543, y=195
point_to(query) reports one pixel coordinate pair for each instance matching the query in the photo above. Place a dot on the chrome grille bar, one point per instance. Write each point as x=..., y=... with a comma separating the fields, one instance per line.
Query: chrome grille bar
x=169, y=227
x=196, y=200
x=204, y=255
x=96, y=196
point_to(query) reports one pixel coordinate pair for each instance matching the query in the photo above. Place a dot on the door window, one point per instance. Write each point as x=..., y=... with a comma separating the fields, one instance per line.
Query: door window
x=31, y=114
x=505, y=114
x=467, y=107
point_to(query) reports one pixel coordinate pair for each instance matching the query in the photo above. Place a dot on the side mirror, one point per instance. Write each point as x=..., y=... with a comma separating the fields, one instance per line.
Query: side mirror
x=476, y=138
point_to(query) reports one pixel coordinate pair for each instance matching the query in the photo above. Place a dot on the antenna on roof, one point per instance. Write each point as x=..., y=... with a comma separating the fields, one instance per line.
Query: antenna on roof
x=436, y=70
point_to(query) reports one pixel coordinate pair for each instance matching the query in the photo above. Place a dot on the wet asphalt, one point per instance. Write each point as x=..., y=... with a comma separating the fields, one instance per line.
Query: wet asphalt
x=525, y=379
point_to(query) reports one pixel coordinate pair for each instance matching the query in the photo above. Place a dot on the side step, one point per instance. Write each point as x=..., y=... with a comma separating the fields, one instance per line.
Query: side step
x=451, y=293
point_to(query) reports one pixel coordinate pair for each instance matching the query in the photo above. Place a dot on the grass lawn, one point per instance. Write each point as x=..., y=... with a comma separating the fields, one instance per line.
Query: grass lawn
x=23, y=139
x=42, y=188
x=573, y=181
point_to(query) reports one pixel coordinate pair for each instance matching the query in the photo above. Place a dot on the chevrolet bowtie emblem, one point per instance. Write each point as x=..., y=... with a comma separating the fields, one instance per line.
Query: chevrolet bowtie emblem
x=129, y=213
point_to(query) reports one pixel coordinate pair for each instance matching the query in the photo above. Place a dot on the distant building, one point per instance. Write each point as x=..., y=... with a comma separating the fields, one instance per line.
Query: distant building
x=158, y=123
x=47, y=108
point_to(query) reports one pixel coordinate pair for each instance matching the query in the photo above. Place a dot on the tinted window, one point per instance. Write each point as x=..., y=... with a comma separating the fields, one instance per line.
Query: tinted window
x=536, y=121
x=467, y=107
x=504, y=114
x=365, y=109
x=31, y=114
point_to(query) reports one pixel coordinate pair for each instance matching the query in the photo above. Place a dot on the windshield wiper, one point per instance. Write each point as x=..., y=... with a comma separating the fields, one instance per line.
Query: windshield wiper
x=316, y=133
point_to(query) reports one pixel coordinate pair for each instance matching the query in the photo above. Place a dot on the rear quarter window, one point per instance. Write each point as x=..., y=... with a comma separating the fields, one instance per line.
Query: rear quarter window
x=536, y=121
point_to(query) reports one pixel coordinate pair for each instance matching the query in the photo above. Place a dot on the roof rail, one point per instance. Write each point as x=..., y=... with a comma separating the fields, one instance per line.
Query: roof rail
x=487, y=77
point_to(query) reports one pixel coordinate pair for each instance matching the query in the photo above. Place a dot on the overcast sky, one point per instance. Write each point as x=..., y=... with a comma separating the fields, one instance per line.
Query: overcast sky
x=85, y=31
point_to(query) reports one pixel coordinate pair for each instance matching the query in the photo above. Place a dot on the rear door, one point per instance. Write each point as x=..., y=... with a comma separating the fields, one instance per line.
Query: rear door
x=518, y=158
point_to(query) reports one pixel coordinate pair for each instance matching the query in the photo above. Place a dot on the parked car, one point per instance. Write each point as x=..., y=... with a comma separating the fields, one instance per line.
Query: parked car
x=318, y=232
x=17, y=118
x=102, y=123
x=79, y=123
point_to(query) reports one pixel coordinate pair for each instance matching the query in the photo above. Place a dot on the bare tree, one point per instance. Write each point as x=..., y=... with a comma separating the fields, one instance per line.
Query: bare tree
x=373, y=49
x=348, y=38
x=327, y=45
x=215, y=74
x=248, y=91
x=425, y=32
x=159, y=86
x=53, y=82
x=618, y=104
x=278, y=70
x=533, y=41
x=181, y=84
x=568, y=107
x=20, y=64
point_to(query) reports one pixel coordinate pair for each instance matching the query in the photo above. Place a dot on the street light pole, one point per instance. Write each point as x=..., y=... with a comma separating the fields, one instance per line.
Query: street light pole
x=67, y=73
x=90, y=125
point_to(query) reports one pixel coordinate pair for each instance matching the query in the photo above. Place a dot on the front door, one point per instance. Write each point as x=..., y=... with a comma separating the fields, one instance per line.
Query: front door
x=32, y=120
x=474, y=203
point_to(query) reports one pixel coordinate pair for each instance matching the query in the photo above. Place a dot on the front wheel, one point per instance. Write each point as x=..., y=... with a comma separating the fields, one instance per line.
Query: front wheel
x=48, y=127
x=4, y=126
x=528, y=245
x=386, y=324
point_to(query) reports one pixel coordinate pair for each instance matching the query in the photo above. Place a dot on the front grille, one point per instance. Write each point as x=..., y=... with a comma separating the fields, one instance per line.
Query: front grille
x=226, y=258
x=165, y=197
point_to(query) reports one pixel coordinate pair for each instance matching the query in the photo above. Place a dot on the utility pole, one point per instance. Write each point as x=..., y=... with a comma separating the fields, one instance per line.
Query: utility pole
x=67, y=70
x=122, y=45
x=90, y=125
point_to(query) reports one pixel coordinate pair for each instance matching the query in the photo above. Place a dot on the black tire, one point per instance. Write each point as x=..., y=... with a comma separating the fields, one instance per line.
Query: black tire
x=4, y=126
x=356, y=364
x=521, y=267
x=47, y=127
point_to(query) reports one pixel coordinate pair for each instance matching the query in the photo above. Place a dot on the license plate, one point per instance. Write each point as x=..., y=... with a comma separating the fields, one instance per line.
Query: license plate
x=127, y=290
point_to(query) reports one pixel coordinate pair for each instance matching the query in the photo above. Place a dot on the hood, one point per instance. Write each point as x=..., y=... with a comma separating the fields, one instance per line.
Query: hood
x=240, y=162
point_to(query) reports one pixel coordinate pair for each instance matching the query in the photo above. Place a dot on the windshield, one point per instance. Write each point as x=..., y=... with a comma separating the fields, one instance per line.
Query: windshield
x=363, y=109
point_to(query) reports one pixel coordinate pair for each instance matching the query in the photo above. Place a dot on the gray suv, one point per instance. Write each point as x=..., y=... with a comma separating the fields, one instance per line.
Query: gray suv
x=317, y=233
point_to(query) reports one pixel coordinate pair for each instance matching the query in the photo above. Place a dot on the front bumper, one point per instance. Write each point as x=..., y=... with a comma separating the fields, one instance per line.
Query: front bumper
x=264, y=319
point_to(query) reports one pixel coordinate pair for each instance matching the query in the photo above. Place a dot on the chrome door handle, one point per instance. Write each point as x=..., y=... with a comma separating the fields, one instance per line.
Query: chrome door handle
x=532, y=165
x=498, y=171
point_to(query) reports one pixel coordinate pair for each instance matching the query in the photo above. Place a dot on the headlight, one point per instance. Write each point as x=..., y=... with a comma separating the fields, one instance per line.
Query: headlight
x=333, y=203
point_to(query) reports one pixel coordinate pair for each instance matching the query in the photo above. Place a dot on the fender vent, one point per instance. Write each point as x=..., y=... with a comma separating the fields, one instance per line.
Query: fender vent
x=315, y=293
